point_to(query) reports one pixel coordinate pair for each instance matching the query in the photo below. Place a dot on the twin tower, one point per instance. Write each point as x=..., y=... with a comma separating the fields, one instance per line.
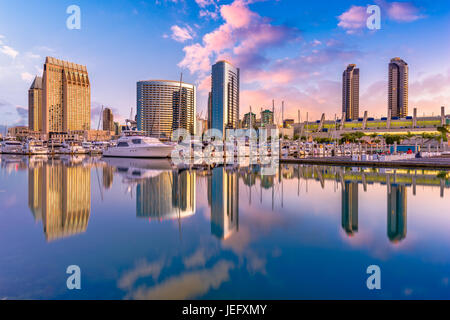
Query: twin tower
x=397, y=91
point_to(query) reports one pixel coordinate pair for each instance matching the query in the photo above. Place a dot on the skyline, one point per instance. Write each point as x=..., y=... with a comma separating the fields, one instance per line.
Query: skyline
x=284, y=54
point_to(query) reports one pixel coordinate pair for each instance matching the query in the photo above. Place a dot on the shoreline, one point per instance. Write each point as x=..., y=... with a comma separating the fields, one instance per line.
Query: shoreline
x=430, y=163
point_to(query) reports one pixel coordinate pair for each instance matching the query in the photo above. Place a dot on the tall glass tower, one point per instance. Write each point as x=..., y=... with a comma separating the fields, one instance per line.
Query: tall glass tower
x=398, y=88
x=224, y=96
x=350, y=92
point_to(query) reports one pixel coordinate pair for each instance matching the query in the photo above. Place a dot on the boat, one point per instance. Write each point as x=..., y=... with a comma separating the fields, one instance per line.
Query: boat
x=92, y=148
x=35, y=147
x=134, y=144
x=11, y=146
x=72, y=147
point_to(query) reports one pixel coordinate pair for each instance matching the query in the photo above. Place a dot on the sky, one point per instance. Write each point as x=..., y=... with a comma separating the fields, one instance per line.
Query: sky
x=288, y=50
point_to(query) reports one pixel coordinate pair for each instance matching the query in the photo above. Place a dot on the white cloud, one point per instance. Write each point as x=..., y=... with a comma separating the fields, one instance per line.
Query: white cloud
x=9, y=51
x=181, y=34
x=26, y=76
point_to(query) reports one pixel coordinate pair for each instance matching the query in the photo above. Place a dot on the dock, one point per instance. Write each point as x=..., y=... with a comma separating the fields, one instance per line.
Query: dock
x=441, y=162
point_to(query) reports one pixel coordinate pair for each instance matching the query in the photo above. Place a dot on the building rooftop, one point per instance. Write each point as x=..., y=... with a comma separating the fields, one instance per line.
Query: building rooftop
x=37, y=83
x=65, y=64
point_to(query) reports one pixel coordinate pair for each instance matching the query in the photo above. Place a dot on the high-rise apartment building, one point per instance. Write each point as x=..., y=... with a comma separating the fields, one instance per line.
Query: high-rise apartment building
x=398, y=88
x=266, y=118
x=160, y=111
x=35, y=105
x=66, y=97
x=249, y=120
x=224, y=96
x=350, y=92
x=108, y=120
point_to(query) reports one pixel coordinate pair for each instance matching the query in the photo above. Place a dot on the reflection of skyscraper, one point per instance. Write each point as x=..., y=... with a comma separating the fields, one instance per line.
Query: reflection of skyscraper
x=223, y=190
x=61, y=197
x=108, y=177
x=35, y=180
x=166, y=196
x=350, y=207
x=396, y=206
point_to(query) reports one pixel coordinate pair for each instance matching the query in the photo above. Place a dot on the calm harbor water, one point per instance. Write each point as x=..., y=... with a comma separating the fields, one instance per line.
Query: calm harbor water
x=139, y=230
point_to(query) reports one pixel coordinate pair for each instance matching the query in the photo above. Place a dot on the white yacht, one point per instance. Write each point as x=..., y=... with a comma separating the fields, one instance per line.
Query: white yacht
x=11, y=146
x=72, y=147
x=91, y=147
x=134, y=144
x=34, y=147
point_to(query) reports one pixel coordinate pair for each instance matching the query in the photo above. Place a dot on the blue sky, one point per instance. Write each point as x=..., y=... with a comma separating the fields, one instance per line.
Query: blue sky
x=287, y=50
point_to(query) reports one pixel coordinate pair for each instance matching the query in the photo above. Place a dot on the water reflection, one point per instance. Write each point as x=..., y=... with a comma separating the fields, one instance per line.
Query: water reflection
x=223, y=198
x=265, y=236
x=60, y=196
x=397, y=212
x=350, y=207
x=59, y=191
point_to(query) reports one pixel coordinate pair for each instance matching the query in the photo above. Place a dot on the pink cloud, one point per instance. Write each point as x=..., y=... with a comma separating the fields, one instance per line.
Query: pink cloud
x=237, y=14
x=354, y=18
x=402, y=11
x=242, y=38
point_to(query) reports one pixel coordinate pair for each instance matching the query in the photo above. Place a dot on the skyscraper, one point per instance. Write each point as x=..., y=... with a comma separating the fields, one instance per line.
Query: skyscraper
x=224, y=96
x=350, y=92
x=398, y=88
x=159, y=110
x=66, y=97
x=108, y=120
x=35, y=105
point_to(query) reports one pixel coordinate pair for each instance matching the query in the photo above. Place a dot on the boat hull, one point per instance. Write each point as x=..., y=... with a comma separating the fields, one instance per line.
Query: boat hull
x=141, y=152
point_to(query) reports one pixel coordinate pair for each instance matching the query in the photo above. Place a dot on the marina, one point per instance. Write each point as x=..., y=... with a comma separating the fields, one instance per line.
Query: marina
x=142, y=227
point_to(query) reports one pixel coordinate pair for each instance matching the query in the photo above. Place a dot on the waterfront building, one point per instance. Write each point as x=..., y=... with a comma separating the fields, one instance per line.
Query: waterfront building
x=249, y=119
x=397, y=212
x=66, y=97
x=350, y=207
x=288, y=123
x=160, y=111
x=266, y=118
x=35, y=105
x=108, y=120
x=350, y=92
x=398, y=88
x=224, y=96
